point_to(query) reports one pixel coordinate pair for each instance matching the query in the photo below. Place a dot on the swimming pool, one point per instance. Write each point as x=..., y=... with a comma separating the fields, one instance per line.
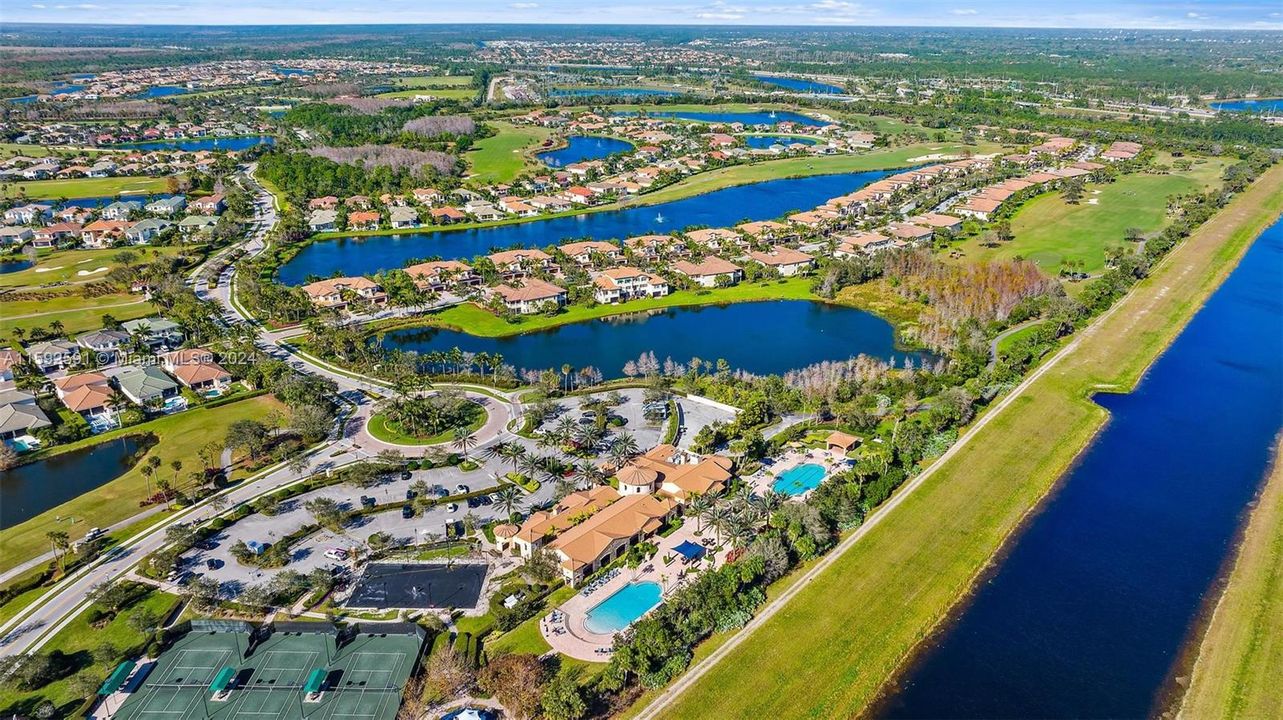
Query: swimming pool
x=797, y=480
x=622, y=608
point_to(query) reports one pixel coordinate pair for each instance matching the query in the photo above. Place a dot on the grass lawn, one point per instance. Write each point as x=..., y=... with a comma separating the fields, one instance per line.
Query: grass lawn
x=1243, y=647
x=448, y=93
x=1050, y=231
x=77, y=313
x=384, y=429
x=79, y=639
x=85, y=187
x=474, y=320
x=180, y=437
x=8, y=150
x=435, y=81
x=505, y=155
x=831, y=649
x=67, y=265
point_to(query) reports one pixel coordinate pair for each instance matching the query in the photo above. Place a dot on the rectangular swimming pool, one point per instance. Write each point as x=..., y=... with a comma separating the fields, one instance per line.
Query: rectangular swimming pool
x=622, y=608
x=800, y=479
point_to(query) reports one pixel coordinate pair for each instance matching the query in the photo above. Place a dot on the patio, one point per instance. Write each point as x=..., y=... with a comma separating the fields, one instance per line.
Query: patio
x=565, y=628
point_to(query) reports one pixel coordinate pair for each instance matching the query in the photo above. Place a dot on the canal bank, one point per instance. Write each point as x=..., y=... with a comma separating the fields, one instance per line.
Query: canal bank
x=948, y=524
x=1088, y=608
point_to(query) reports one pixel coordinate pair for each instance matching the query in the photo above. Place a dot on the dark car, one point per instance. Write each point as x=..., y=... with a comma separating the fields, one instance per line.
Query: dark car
x=409, y=494
x=213, y=564
x=368, y=501
x=406, y=475
x=407, y=511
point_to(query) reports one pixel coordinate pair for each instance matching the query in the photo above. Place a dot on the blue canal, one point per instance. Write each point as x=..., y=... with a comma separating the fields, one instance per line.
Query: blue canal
x=584, y=147
x=1087, y=614
x=729, y=206
x=760, y=337
x=1271, y=106
x=800, y=85
x=611, y=92
x=28, y=490
x=754, y=117
x=203, y=143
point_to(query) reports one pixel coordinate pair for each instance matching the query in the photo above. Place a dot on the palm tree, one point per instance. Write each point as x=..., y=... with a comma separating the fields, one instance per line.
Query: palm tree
x=513, y=452
x=59, y=541
x=699, y=506
x=590, y=474
x=565, y=374
x=496, y=451
x=464, y=440
x=509, y=499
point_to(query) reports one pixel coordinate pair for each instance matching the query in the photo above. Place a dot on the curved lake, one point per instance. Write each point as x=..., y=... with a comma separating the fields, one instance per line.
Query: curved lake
x=729, y=206
x=584, y=147
x=29, y=490
x=1088, y=612
x=203, y=143
x=162, y=91
x=760, y=337
x=1268, y=105
x=800, y=85
x=13, y=266
x=755, y=117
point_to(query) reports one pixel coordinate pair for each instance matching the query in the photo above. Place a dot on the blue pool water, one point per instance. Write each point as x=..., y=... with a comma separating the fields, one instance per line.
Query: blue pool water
x=816, y=332
x=757, y=117
x=730, y=206
x=623, y=608
x=1272, y=106
x=800, y=85
x=1087, y=613
x=800, y=479
x=611, y=92
x=764, y=142
x=584, y=147
x=203, y=143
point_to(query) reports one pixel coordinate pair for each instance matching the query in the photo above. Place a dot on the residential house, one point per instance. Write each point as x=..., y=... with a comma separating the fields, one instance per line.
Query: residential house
x=102, y=233
x=329, y=202
x=785, y=260
x=520, y=261
x=29, y=214
x=937, y=221
x=14, y=235
x=865, y=243
x=715, y=238
x=403, y=217
x=49, y=355
x=105, y=343
x=532, y=297
x=583, y=252
x=146, y=385
x=89, y=394
x=427, y=196
x=909, y=233
x=195, y=368
x=363, y=220
x=323, y=220
x=711, y=272
x=144, y=231
x=767, y=230
x=978, y=207
x=196, y=224
x=9, y=359
x=51, y=235
x=20, y=415
x=448, y=215
x=155, y=332
x=334, y=292
x=440, y=275
x=121, y=209
x=168, y=207
x=625, y=283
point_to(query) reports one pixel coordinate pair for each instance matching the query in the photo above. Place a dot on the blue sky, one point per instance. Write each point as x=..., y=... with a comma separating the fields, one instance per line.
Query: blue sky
x=1191, y=14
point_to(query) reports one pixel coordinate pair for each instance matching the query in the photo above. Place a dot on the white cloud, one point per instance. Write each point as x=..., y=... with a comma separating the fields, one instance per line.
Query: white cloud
x=523, y=5
x=966, y=11
x=38, y=6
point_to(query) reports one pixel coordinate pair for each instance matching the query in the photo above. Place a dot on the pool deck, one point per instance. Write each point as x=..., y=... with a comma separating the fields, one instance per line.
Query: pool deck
x=565, y=628
x=830, y=460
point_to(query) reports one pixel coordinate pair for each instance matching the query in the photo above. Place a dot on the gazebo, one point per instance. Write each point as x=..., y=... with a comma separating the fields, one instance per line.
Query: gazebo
x=503, y=533
x=841, y=442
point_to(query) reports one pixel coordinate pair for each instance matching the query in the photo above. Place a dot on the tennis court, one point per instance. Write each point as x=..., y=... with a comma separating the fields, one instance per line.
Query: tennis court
x=364, y=673
x=419, y=586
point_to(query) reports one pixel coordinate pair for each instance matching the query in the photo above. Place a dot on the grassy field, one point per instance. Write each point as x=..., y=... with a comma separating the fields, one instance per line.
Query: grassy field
x=1050, y=231
x=76, y=312
x=80, y=639
x=1243, y=647
x=83, y=188
x=504, y=156
x=179, y=436
x=383, y=429
x=68, y=265
x=833, y=646
x=8, y=150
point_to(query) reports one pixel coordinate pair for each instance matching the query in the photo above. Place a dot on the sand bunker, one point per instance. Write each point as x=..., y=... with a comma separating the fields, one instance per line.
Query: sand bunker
x=82, y=273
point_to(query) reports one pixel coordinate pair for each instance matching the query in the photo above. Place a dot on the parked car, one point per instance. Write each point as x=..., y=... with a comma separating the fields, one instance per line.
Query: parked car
x=407, y=511
x=213, y=564
x=452, y=507
x=461, y=488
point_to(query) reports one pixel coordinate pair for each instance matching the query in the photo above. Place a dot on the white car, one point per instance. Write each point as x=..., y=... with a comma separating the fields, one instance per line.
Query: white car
x=452, y=507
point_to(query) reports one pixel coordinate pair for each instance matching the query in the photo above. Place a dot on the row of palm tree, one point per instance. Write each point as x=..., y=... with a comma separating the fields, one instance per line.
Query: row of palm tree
x=737, y=516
